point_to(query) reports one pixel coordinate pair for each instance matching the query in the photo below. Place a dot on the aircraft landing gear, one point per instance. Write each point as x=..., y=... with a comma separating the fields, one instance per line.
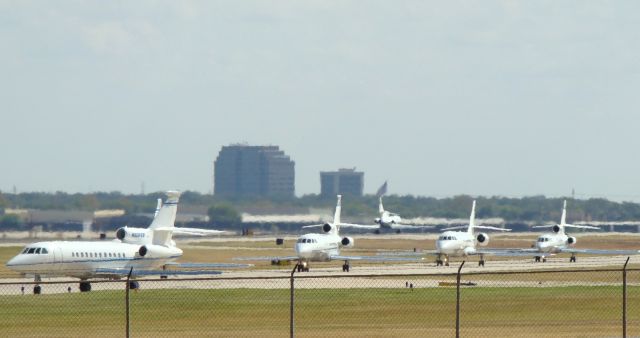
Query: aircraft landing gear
x=345, y=266
x=481, y=261
x=37, y=289
x=446, y=260
x=397, y=231
x=544, y=259
x=573, y=258
x=537, y=259
x=134, y=285
x=85, y=286
x=302, y=267
x=439, y=261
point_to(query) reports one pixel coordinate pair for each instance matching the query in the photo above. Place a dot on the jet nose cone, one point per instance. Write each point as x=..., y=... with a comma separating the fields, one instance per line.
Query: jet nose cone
x=11, y=264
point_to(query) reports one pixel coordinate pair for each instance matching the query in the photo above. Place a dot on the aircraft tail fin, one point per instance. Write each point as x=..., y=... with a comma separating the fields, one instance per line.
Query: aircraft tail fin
x=380, y=206
x=165, y=218
x=336, y=215
x=472, y=218
x=563, y=220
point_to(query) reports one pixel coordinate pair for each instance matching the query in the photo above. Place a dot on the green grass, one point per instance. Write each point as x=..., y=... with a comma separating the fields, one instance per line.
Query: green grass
x=559, y=311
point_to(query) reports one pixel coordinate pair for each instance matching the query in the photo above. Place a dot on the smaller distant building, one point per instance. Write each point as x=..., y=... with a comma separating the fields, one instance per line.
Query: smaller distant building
x=344, y=182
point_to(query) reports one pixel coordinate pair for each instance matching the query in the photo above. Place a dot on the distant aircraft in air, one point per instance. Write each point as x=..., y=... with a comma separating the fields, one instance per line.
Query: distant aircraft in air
x=326, y=246
x=559, y=241
x=139, y=251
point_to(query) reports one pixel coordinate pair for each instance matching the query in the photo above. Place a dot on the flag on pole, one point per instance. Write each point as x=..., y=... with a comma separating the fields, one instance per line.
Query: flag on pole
x=382, y=190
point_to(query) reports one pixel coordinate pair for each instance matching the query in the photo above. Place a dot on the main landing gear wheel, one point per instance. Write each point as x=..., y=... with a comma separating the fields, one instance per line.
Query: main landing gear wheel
x=481, y=261
x=572, y=259
x=85, y=286
x=345, y=266
x=537, y=259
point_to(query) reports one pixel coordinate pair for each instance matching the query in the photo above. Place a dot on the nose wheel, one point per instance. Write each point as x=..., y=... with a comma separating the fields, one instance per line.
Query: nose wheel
x=37, y=289
x=302, y=266
x=573, y=258
x=481, y=261
x=85, y=286
x=345, y=266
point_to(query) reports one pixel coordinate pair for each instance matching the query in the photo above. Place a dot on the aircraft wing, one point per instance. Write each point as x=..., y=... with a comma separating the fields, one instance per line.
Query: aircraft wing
x=208, y=265
x=192, y=231
x=408, y=253
x=601, y=252
x=142, y=272
x=409, y=226
x=267, y=258
x=376, y=258
x=508, y=252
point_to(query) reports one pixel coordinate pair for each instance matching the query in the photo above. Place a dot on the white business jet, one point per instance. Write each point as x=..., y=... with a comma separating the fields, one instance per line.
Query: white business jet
x=326, y=246
x=559, y=241
x=139, y=251
x=463, y=244
x=389, y=220
x=386, y=221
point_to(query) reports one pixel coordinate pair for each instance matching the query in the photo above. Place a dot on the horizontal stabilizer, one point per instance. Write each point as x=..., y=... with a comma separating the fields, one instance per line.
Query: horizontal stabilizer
x=581, y=226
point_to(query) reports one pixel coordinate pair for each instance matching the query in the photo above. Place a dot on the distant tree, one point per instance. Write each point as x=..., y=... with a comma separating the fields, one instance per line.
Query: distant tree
x=9, y=222
x=223, y=214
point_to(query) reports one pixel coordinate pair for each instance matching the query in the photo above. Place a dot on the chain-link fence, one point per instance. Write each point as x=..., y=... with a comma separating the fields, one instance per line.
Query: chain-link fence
x=571, y=303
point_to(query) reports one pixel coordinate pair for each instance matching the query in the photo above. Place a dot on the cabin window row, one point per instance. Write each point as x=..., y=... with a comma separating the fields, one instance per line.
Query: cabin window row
x=97, y=255
x=36, y=251
x=307, y=240
x=447, y=238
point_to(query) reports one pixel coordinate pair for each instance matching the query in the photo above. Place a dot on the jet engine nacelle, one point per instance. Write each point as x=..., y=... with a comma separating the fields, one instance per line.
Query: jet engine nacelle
x=157, y=251
x=377, y=220
x=327, y=227
x=482, y=238
x=347, y=242
x=556, y=228
x=133, y=235
x=572, y=240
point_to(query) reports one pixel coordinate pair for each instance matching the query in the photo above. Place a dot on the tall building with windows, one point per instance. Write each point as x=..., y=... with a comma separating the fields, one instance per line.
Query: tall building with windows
x=343, y=181
x=243, y=170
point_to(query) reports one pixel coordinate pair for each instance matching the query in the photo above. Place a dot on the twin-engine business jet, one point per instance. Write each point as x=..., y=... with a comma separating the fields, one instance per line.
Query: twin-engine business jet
x=559, y=241
x=142, y=251
x=387, y=221
x=464, y=243
x=326, y=247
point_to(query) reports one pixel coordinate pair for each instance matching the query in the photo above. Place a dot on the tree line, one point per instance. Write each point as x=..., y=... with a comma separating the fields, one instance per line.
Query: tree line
x=529, y=209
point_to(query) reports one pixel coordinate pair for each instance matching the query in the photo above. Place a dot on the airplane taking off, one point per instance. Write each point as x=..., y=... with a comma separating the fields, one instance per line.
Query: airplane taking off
x=326, y=247
x=142, y=251
x=559, y=241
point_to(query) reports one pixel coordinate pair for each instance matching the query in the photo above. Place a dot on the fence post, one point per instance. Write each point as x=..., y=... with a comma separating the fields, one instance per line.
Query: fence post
x=291, y=323
x=458, y=301
x=127, y=301
x=624, y=299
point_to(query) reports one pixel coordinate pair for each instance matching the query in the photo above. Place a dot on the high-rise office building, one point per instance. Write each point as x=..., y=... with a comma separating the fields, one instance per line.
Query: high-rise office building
x=242, y=170
x=343, y=181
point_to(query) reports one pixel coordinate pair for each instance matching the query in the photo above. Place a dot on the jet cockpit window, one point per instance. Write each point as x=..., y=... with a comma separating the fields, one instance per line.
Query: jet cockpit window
x=25, y=250
x=37, y=250
x=44, y=251
x=31, y=250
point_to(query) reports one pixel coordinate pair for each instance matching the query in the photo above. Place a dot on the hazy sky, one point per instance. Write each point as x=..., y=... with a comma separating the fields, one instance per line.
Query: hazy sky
x=439, y=97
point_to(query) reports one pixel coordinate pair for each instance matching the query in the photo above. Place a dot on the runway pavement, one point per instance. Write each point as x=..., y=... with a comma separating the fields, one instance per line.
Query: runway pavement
x=361, y=276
